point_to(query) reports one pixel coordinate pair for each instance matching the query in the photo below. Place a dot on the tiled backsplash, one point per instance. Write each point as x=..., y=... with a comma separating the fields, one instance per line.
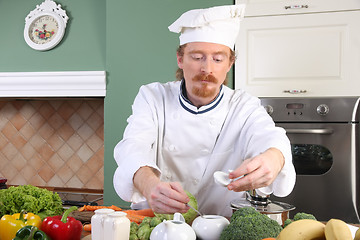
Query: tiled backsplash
x=52, y=142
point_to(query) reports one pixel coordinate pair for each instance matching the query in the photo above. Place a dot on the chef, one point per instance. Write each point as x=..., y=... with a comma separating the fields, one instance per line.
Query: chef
x=182, y=131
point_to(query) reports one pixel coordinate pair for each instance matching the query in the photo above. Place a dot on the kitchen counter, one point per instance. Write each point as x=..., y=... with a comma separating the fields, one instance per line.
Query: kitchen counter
x=85, y=235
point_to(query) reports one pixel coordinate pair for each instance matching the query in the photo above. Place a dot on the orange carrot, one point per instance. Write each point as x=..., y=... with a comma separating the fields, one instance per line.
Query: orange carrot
x=148, y=212
x=138, y=216
x=89, y=208
x=115, y=208
x=135, y=218
x=93, y=208
x=130, y=211
x=87, y=227
x=81, y=209
x=142, y=212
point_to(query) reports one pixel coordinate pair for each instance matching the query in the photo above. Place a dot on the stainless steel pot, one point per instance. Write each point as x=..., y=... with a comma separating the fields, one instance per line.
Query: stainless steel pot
x=277, y=211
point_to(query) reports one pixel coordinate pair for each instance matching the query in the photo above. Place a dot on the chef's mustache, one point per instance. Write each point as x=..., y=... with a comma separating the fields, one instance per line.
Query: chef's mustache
x=205, y=77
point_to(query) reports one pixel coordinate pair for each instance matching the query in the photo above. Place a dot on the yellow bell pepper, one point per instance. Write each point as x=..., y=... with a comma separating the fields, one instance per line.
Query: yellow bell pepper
x=10, y=224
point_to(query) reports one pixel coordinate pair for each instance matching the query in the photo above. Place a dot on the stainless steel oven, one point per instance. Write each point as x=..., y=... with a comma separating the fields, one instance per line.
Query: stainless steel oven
x=324, y=136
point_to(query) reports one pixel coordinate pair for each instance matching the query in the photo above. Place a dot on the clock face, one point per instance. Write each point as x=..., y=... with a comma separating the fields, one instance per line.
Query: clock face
x=45, y=26
x=43, y=29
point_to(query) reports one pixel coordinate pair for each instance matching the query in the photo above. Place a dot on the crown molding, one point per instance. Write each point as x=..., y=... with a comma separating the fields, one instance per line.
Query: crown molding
x=53, y=84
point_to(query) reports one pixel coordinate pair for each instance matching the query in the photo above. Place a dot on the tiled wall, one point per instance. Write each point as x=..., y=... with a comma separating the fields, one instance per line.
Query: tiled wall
x=52, y=142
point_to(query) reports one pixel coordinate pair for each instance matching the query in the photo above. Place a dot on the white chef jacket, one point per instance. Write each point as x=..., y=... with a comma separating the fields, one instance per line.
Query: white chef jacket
x=188, y=144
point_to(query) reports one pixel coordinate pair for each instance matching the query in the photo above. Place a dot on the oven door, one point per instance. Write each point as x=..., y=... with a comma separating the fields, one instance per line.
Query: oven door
x=324, y=157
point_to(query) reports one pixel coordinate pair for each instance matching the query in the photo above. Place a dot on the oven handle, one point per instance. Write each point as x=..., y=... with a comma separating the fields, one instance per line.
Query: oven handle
x=310, y=131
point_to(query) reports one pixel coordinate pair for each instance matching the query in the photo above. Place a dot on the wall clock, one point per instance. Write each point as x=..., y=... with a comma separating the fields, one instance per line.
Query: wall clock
x=45, y=26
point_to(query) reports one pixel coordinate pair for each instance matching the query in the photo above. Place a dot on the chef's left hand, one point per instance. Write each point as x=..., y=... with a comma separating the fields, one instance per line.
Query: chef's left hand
x=259, y=171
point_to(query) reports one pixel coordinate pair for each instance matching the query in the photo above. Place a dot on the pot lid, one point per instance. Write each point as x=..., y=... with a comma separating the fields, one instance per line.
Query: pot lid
x=272, y=207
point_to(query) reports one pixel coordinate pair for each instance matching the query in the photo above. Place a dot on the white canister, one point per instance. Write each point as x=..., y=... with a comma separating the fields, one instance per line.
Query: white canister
x=97, y=223
x=116, y=226
x=209, y=227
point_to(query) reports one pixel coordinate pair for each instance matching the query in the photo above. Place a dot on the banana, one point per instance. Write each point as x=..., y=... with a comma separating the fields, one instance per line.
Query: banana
x=336, y=229
x=304, y=229
x=357, y=234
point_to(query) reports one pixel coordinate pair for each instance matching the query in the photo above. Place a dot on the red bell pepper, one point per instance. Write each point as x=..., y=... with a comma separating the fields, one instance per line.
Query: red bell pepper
x=62, y=227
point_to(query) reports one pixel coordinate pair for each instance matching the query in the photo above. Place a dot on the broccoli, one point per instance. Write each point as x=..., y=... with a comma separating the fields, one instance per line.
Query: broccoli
x=155, y=221
x=133, y=236
x=248, y=224
x=299, y=216
x=133, y=227
x=144, y=232
x=146, y=220
x=287, y=222
x=244, y=212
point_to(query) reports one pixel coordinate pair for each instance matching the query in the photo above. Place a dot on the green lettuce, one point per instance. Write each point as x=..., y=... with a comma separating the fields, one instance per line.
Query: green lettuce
x=189, y=216
x=30, y=198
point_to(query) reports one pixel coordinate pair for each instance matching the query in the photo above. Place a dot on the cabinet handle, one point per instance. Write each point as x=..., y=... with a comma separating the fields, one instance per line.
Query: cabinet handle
x=296, y=6
x=294, y=91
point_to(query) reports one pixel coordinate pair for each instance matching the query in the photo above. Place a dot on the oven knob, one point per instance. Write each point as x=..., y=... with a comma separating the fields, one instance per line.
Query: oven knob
x=322, y=109
x=269, y=109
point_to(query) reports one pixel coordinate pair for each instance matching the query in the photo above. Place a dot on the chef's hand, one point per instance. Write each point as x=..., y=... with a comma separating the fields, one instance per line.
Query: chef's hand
x=259, y=171
x=163, y=197
x=168, y=197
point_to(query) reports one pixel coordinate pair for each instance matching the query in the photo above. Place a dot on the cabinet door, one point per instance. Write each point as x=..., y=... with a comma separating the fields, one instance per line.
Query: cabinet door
x=315, y=53
x=277, y=7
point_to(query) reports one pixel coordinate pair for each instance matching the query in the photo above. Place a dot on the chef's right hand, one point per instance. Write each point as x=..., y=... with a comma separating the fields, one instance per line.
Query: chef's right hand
x=163, y=197
x=168, y=197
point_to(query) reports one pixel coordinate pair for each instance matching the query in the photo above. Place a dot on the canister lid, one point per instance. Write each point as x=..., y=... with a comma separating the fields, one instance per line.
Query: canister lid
x=3, y=180
x=272, y=207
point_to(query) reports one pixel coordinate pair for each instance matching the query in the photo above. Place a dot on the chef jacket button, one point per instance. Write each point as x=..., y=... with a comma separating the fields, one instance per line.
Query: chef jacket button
x=205, y=151
x=175, y=116
x=195, y=181
x=172, y=148
x=213, y=122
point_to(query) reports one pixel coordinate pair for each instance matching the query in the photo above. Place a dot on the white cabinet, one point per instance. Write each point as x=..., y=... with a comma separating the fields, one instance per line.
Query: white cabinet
x=302, y=54
x=277, y=7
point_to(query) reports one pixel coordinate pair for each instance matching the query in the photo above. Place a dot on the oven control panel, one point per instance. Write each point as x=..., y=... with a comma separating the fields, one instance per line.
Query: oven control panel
x=269, y=109
x=295, y=108
x=322, y=109
x=335, y=109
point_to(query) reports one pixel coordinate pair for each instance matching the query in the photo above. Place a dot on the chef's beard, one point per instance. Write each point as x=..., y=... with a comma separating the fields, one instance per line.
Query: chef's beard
x=203, y=90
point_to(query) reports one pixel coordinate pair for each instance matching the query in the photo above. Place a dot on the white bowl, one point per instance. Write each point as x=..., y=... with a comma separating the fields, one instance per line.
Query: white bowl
x=209, y=227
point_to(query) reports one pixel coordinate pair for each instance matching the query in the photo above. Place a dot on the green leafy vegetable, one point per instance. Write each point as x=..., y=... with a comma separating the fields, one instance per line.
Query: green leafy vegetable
x=189, y=216
x=31, y=199
x=133, y=227
x=144, y=232
x=155, y=221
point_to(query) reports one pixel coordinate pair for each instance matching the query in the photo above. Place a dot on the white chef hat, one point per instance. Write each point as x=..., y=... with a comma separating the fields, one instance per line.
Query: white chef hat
x=216, y=25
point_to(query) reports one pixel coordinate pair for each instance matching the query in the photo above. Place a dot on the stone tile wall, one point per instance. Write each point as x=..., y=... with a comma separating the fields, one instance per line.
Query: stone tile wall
x=52, y=142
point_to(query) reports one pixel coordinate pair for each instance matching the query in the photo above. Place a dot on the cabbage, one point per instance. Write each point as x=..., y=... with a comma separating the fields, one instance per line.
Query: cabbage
x=31, y=199
x=189, y=216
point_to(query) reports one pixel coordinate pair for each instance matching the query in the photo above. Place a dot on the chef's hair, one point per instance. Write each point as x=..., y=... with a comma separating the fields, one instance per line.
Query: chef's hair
x=179, y=75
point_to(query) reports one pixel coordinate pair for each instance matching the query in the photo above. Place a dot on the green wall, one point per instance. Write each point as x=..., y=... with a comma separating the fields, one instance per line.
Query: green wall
x=128, y=39
x=82, y=48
